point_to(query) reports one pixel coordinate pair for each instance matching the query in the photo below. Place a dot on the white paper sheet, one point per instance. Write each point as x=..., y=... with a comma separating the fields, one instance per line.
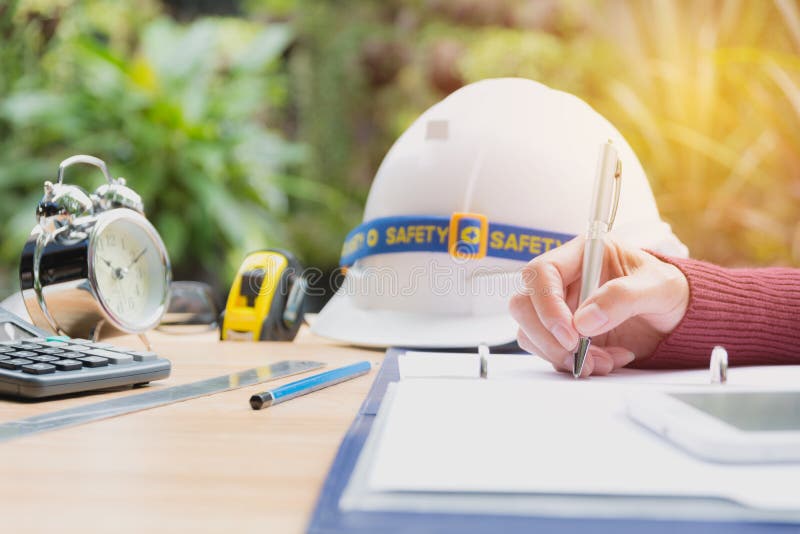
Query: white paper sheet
x=523, y=436
x=413, y=364
x=358, y=496
x=528, y=367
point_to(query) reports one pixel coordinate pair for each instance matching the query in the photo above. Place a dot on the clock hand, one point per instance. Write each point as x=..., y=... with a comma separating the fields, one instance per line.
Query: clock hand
x=122, y=271
x=106, y=262
x=117, y=273
x=136, y=259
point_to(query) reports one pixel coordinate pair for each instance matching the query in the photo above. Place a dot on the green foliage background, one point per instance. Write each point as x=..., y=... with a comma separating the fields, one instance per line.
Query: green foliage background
x=264, y=126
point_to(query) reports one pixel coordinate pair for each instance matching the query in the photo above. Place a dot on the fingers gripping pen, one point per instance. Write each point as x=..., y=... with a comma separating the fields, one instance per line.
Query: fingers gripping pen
x=605, y=200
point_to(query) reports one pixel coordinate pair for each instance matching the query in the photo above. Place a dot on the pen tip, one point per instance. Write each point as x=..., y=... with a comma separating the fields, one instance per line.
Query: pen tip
x=580, y=356
x=256, y=402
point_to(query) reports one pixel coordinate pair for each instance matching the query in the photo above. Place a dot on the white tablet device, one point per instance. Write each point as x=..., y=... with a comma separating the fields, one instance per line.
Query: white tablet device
x=724, y=425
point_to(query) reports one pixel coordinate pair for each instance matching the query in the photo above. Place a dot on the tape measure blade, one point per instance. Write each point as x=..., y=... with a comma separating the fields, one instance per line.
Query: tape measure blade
x=152, y=399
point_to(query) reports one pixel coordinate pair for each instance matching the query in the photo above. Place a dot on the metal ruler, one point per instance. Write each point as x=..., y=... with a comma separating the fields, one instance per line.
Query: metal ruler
x=152, y=399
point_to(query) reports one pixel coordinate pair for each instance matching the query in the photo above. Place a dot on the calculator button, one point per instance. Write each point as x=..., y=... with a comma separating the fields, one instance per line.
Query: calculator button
x=19, y=346
x=22, y=354
x=68, y=365
x=39, y=368
x=5, y=357
x=71, y=355
x=43, y=359
x=14, y=363
x=6, y=348
x=81, y=341
x=143, y=356
x=121, y=359
x=78, y=348
x=126, y=350
x=91, y=361
x=53, y=343
x=50, y=350
x=102, y=346
x=32, y=346
x=113, y=357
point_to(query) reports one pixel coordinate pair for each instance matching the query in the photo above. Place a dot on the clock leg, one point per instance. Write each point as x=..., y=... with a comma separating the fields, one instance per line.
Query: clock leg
x=146, y=341
x=96, y=330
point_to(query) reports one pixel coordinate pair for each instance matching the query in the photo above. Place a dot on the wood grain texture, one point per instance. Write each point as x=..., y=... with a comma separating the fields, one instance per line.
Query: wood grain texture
x=207, y=464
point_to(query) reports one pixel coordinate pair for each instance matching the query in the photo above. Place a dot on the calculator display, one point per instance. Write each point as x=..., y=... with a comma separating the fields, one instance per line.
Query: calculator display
x=11, y=332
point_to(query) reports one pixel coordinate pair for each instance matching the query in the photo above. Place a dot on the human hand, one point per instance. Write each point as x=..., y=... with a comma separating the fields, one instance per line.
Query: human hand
x=640, y=300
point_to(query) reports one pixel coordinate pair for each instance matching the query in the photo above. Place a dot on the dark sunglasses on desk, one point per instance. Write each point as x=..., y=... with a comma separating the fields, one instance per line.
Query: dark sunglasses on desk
x=192, y=309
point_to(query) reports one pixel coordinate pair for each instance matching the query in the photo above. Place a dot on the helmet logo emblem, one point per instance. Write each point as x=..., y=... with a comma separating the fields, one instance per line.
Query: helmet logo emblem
x=468, y=236
x=471, y=235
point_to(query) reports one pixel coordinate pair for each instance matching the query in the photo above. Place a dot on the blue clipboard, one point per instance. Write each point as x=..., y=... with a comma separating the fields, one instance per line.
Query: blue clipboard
x=328, y=518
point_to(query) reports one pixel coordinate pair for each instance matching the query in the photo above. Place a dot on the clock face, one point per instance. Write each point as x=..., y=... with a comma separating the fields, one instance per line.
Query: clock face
x=131, y=270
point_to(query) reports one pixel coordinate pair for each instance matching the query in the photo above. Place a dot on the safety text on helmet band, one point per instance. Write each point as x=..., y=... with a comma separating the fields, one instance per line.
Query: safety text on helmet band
x=432, y=234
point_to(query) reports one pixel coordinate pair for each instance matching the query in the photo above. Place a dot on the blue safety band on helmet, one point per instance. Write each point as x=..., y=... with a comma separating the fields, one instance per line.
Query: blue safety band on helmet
x=462, y=235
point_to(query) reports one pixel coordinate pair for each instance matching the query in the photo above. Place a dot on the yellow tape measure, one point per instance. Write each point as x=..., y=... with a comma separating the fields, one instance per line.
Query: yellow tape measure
x=266, y=299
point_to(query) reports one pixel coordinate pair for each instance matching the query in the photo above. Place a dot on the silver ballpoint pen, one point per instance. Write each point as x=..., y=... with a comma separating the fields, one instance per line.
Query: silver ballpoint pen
x=605, y=200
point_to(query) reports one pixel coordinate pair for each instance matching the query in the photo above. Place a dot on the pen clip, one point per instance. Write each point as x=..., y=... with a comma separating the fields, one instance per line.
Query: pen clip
x=617, y=187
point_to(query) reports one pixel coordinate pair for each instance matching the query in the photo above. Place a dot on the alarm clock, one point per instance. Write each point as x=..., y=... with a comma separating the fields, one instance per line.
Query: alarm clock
x=93, y=263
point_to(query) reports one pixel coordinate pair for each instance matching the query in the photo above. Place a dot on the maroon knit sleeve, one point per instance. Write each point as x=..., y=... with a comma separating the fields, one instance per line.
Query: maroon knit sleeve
x=753, y=313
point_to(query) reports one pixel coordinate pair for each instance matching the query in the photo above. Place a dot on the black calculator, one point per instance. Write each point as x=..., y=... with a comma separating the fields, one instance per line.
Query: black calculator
x=34, y=364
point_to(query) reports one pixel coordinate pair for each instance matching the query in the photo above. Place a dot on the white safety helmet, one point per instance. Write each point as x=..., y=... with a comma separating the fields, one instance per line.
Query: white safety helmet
x=508, y=166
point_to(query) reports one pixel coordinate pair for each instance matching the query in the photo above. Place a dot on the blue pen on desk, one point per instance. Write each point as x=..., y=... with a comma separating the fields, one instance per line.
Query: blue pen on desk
x=308, y=385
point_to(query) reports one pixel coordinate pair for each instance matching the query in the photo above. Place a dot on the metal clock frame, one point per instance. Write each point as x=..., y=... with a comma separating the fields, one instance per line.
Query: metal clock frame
x=104, y=220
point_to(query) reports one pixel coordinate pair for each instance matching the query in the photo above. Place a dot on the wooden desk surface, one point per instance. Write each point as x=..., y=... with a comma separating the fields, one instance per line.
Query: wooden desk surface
x=207, y=464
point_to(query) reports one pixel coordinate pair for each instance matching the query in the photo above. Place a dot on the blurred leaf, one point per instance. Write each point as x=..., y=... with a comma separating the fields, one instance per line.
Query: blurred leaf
x=265, y=48
x=180, y=54
x=173, y=231
x=31, y=107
